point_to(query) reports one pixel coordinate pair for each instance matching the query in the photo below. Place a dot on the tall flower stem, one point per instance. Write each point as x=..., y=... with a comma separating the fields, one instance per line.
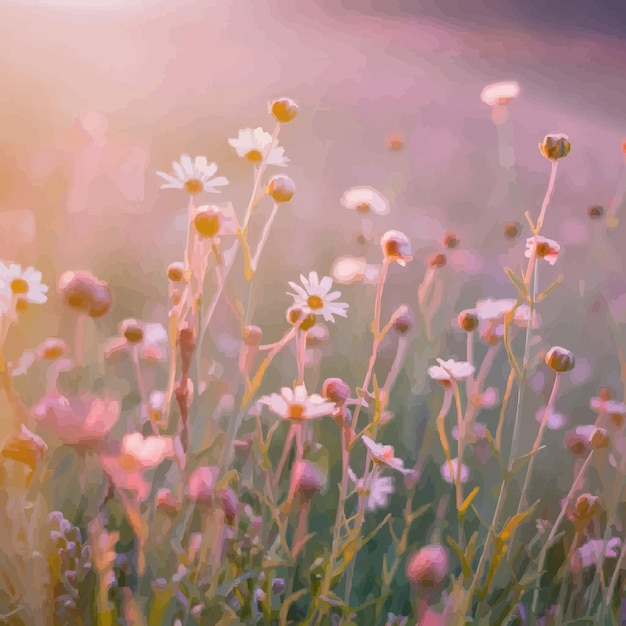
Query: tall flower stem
x=555, y=528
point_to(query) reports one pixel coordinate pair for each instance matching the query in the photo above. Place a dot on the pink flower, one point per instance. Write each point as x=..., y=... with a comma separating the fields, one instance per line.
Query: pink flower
x=546, y=249
x=449, y=471
x=85, y=419
x=593, y=552
x=148, y=451
x=384, y=455
x=201, y=484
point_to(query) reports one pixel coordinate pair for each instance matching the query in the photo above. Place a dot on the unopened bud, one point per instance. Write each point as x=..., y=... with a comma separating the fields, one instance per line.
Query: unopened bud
x=52, y=349
x=284, y=110
x=336, y=390
x=595, y=212
x=555, y=147
x=176, y=272
x=439, y=260
x=560, y=360
x=281, y=188
x=308, y=479
x=252, y=336
x=451, y=241
x=132, y=331
x=428, y=567
x=403, y=321
x=468, y=320
x=599, y=439
x=512, y=230
x=396, y=247
x=587, y=506
x=207, y=221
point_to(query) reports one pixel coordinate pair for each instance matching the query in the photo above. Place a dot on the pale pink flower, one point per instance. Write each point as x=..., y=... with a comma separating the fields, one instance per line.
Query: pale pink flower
x=500, y=93
x=193, y=176
x=546, y=249
x=378, y=491
x=555, y=420
x=449, y=471
x=258, y=146
x=428, y=567
x=148, y=451
x=296, y=404
x=450, y=370
x=592, y=552
x=84, y=419
x=347, y=270
x=384, y=455
x=201, y=484
x=365, y=200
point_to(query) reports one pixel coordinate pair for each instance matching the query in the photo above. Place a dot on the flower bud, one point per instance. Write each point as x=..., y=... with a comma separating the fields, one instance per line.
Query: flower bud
x=284, y=110
x=586, y=506
x=595, y=212
x=308, y=479
x=101, y=301
x=84, y=293
x=166, y=502
x=468, y=320
x=307, y=322
x=252, y=336
x=560, y=360
x=512, y=230
x=404, y=321
x=281, y=188
x=428, y=567
x=439, y=260
x=207, y=221
x=294, y=315
x=230, y=504
x=201, y=484
x=396, y=247
x=317, y=335
x=52, y=349
x=187, y=344
x=132, y=330
x=599, y=439
x=451, y=241
x=606, y=393
x=336, y=390
x=555, y=147
x=577, y=444
x=278, y=585
x=395, y=142
x=176, y=272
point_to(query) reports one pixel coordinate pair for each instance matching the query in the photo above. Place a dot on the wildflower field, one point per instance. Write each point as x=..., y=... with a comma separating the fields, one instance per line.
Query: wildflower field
x=357, y=417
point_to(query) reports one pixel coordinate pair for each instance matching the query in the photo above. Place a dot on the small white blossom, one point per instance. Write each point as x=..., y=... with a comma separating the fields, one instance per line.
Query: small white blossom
x=316, y=297
x=296, y=404
x=193, y=176
x=384, y=455
x=257, y=145
x=365, y=200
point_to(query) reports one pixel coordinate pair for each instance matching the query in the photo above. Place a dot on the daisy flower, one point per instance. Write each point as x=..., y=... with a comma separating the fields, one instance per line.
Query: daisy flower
x=449, y=471
x=316, y=297
x=296, y=404
x=378, y=492
x=193, y=176
x=500, y=93
x=257, y=145
x=450, y=370
x=365, y=200
x=546, y=249
x=384, y=455
x=23, y=284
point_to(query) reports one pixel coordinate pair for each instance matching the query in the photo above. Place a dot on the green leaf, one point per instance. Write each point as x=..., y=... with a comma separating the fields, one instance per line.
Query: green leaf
x=468, y=501
x=546, y=291
x=518, y=283
x=521, y=461
x=508, y=320
x=514, y=522
x=496, y=452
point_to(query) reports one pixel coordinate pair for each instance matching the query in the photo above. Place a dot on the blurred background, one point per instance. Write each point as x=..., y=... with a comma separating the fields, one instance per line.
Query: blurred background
x=95, y=96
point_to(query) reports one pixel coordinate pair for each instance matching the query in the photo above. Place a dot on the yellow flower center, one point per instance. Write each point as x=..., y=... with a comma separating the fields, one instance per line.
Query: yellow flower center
x=19, y=286
x=296, y=412
x=543, y=249
x=315, y=302
x=363, y=207
x=254, y=156
x=194, y=185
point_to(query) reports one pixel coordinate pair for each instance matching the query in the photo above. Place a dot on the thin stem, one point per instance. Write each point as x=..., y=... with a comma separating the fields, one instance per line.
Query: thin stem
x=134, y=356
x=555, y=528
x=285, y=455
x=79, y=339
x=396, y=366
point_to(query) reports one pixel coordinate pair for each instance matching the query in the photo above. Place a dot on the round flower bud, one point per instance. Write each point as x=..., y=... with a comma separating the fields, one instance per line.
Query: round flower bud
x=451, y=241
x=52, y=349
x=395, y=142
x=512, y=230
x=252, y=336
x=166, y=502
x=396, y=247
x=207, y=222
x=84, y=293
x=294, y=315
x=101, y=300
x=132, y=331
x=230, y=504
x=404, y=321
x=281, y=188
x=284, y=110
x=577, y=444
x=176, y=272
x=599, y=439
x=595, y=212
x=439, y=260
x=468, y=320
x=587, y=506
x=428, y=567
x=307, y=478
x=555, y=147
x=336, y=390
x=307, y=322
x=317, y=335
x=201, y=484
x=560, y=360
x=606, y=393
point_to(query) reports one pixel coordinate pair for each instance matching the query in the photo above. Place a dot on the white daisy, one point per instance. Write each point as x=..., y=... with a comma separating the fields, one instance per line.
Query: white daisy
x=257, y=145
x=296, y=404
x=365, y=200
x=450, y=370
x=449, y=471
x=316, y=297
x=194, y=176
x=378, y=492
x=500, y=93
x=23, y=284
x=384, y=455
x=546, y=249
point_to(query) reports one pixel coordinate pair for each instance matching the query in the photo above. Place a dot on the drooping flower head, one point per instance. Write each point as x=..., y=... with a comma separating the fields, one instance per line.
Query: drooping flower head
x=193, y=176
x=365, y=200
x=316, y=297
x=546, y=249
x=384, y=455
x=500, y=93
x=376, y=490
x=396, y=247
x=450, y=370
